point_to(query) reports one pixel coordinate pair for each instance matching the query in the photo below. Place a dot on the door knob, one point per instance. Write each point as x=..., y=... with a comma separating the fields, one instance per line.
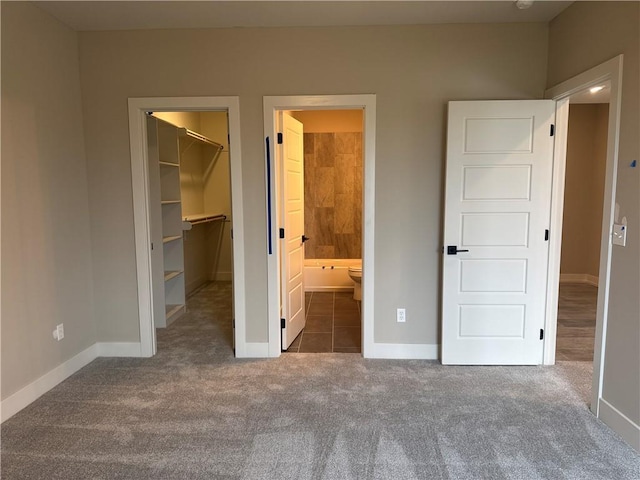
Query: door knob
x=453, y=250
x=305, y=238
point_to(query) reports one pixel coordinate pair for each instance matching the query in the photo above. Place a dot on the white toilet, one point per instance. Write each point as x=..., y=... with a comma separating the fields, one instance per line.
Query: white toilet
x=355, y=272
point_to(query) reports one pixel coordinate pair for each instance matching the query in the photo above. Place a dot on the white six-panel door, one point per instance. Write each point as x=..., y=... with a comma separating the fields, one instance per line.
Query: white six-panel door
x=497, y=209
x=292, y=254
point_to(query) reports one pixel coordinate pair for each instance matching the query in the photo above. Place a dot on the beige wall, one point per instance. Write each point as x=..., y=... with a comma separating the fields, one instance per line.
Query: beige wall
x=583, y=36
x=46, y=243
x=584, y=189
x=412, y=70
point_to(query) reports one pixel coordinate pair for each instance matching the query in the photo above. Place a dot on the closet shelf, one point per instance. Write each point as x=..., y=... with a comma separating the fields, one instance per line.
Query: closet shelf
x=169, y=164
x=171, y=274
x=185, y=132
x=169, y=202
x=172, y=238
x=189, y=220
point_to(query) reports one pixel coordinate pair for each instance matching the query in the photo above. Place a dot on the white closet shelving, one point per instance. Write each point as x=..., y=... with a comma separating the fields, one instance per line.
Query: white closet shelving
x=179, y=162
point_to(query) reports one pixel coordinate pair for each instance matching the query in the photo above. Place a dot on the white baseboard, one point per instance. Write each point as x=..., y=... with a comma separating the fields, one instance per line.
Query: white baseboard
x=404, y=351
x=119, y=349
x=579, y=278
x=27, y=395
x=253, y=350
x=620, y=423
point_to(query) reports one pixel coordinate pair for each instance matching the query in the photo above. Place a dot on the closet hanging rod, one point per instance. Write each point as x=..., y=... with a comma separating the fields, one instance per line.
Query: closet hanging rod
x=185, y=132
x=190, y=220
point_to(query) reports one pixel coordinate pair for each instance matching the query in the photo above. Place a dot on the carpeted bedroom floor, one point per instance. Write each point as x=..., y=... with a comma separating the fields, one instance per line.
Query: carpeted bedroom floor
x=195, y=412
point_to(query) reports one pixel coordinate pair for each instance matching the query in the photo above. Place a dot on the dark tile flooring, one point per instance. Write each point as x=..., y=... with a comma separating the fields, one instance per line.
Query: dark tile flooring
x=333, y=324
x=576, y=322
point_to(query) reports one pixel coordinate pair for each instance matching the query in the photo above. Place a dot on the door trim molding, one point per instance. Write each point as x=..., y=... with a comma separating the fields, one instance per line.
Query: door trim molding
x=611, y=71
x=273, y=104
x=140, y=185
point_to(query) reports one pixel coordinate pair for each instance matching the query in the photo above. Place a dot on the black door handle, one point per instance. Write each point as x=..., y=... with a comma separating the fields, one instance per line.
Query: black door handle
x=453, y=250
x=305, y=238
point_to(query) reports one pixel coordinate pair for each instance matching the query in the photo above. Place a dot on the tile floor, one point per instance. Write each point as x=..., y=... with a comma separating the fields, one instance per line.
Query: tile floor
x=333, y=324
x=576, y=322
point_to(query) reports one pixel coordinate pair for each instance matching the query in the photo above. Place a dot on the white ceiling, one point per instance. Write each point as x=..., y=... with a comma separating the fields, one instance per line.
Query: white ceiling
x=133, y=15
x=585, y=96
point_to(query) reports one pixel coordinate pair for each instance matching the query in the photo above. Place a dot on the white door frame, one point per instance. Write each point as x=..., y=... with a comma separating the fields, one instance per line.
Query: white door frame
x=609, y=71
x=138, y=108
x=272, y=105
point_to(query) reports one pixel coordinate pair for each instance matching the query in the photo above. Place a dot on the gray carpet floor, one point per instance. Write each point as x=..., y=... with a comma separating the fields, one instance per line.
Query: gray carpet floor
x=195, y=412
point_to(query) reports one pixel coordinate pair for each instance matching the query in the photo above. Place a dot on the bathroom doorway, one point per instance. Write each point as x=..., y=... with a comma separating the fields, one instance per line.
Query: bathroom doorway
x=332, y=244
x=336, y=145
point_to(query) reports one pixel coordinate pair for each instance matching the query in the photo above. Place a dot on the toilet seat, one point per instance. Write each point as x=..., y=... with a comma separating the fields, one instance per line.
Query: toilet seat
x=356, y=271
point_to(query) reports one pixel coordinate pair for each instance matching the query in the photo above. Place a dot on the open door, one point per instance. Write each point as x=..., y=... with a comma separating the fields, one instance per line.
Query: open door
x=497, y=210
x=292, y=230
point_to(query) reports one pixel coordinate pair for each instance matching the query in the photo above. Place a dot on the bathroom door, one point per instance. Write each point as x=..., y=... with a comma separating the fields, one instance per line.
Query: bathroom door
x=497, y=210
x=292, y=241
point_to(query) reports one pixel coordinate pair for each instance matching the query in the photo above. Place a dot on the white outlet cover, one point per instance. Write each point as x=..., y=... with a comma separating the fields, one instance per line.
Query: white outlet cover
x=619, y=236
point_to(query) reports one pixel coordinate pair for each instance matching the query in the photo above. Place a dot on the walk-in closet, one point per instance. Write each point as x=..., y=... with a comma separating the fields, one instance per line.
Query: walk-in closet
x=190, y=207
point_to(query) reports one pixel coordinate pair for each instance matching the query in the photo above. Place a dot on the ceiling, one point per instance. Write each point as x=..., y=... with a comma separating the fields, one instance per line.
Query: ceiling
x=586, y=96
x=133, y=15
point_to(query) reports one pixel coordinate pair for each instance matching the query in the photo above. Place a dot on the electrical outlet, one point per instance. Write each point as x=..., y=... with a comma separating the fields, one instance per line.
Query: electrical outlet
x=60, y=331
x=401, y=315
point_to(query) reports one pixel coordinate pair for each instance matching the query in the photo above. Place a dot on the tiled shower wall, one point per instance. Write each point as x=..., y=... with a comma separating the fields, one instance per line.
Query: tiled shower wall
x=333, y=195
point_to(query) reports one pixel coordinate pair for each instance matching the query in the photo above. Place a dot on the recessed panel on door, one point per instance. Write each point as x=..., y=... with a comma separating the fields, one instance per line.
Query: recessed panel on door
x=491, y=321
x=495, y=229
x=294, y=184
x=295, y=296
x=296, y=224
x=496, y=182
x=493, y=276
x=295, y=265
x=498, y=135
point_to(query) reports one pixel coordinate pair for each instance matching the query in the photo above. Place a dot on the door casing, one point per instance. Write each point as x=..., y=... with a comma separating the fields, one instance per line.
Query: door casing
x=273, y=105
x=608, y=71
x=140, y=185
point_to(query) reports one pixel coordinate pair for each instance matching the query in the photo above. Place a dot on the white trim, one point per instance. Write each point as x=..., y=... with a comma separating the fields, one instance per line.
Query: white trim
x=620, y=423
x=29, y=394
x=611, y=71
x=406, y=351
x=254, y=350
x=579, y=278
x=273, y=104
x=140, y=186
x=555, y=227
x=119, y=349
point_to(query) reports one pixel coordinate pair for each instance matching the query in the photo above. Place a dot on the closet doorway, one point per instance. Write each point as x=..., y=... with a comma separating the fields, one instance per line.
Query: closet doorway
x=187, y=188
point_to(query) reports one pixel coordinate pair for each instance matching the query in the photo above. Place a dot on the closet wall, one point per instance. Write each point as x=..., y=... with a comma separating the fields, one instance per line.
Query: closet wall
x=205, y=188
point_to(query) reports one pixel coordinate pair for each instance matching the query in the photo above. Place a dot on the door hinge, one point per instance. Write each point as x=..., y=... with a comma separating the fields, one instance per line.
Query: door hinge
x=552, y=130
x=541, y=334
x=233, y=322
x=228, y=139
x=283, y=323
x=280, y=140
x=546, y=235
x=282, y=233
x=151, y=245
